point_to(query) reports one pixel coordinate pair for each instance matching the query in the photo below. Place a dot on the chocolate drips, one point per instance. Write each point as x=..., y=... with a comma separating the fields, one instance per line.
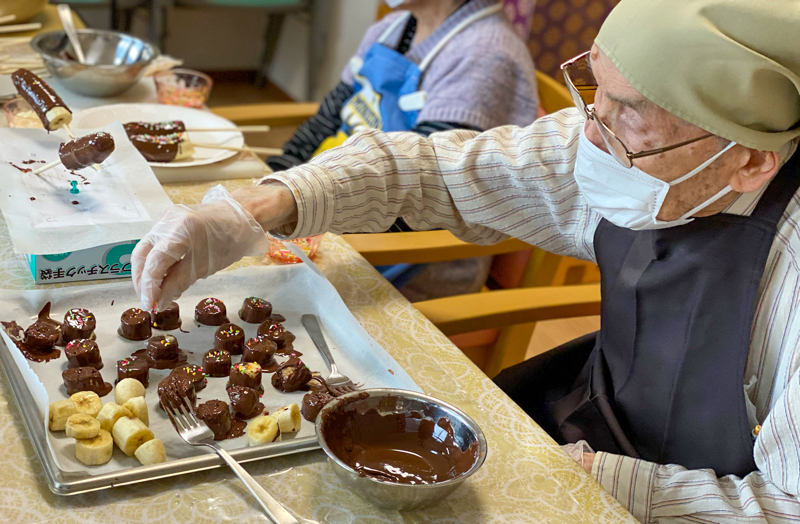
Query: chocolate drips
x=86, y=150
x=43, y=332
x=38, y=94
x=403, y=448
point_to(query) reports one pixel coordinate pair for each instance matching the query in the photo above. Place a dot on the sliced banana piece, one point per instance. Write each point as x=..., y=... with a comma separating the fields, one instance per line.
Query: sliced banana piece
x=58, y=117
x=110, y=413
x=138, y=407
x=126, y=389
x=151, y=452
x=59, y=412
x=185, y=148
x=87, y=402
x=263, y=429
x=95, y=451
x=82, y=426
x=288, y=418
x=129, y=433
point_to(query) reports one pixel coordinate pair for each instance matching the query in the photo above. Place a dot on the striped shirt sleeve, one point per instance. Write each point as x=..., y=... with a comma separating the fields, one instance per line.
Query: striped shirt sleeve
x=482, y=187
x=669, y=493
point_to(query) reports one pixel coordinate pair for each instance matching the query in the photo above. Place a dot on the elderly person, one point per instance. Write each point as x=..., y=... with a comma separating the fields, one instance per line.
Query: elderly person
x=681, y=182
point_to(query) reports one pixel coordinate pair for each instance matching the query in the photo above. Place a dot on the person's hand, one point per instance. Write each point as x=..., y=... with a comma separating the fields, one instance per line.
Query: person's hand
x=588, y=460
x=188, y=243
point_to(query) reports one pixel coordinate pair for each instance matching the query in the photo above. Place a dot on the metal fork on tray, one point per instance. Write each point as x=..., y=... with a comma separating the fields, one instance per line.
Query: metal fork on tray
x=195, y=432
x=338, y=383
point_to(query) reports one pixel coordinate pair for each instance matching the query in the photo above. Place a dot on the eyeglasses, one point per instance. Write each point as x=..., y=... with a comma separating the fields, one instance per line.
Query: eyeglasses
x=580, y=79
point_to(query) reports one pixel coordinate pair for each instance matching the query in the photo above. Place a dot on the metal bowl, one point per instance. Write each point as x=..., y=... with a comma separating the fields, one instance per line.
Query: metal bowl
x=390, y=495
x=114, y=61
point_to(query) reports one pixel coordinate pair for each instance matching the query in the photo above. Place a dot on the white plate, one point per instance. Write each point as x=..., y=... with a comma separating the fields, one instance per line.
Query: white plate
x=193, y=118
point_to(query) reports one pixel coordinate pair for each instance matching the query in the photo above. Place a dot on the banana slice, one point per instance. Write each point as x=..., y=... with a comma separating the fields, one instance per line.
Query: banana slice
x=59, y=412
x=138, y=407
x=262, y=430
x=127, y=389
x=151, y=452
x=82, y=426
x=110, y=413
x=95, y=451
x=87, y=402
x=185, y=148
x=58, y=117
x=129, y=433
x=288, y=418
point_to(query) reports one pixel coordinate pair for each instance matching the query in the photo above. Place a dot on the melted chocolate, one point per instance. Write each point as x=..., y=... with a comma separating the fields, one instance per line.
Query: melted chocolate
x=86, y=150
x=162, y=352
x=44, y=334
x=313, y=403
x=85, y=379
x=154, y=128
x=217, y=363
x=216, y=415
x=244, y=402
x=261, y=351
x=134, y=367
x=178, y=384
x=275, y=332
x=17, y=334
x=402, y=448
x=255, y=310
x=135, y=324
x=169, y=318
x=83, y=353
x=78, y=323
x=195, y=373
x=37, y=93
x=23, y=169
x=229, y=337
x=247, y=374
x=291, y=376
x=211, y=312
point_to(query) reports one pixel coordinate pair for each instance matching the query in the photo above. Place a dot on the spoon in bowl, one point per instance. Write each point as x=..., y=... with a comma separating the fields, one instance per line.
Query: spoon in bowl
x=65, y=14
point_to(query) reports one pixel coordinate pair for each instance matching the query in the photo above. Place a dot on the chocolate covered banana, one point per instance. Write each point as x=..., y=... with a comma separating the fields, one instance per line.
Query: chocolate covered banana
x=86, y=150
x=163, y=148
x=154, y=128
x=47, y=105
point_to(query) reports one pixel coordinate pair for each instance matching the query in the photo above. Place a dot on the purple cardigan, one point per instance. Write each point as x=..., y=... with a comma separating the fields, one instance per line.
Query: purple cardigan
x=484, y=77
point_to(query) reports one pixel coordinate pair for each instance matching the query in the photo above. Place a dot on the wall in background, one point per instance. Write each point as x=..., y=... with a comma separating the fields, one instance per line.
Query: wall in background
x=232, y=39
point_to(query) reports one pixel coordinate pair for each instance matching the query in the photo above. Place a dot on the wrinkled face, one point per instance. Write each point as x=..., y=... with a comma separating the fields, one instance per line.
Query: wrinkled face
x=642, y=125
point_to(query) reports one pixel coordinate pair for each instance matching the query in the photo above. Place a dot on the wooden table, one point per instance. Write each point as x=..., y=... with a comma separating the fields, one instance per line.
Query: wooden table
x=526, y=477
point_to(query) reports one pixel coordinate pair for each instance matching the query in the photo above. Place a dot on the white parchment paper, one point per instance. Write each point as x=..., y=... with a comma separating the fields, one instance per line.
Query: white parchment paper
x=119, y=202
x=293, y=290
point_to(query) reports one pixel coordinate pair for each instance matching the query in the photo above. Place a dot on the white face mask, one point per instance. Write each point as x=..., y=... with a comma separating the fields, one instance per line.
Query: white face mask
x=629, y=197
x=394, y=3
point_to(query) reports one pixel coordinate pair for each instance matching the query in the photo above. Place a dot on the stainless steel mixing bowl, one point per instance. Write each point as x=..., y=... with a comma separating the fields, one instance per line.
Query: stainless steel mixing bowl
x=391, y=495
x=114, y=61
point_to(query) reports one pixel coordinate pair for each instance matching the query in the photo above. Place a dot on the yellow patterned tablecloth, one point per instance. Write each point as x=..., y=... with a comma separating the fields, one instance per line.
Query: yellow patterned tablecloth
x=526, y=477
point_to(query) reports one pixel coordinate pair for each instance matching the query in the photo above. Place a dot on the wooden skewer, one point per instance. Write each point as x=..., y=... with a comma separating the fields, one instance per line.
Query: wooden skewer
x=243, y=129
x=258, y=150
x=16, y=28
x=7, y=18
x=45, y=167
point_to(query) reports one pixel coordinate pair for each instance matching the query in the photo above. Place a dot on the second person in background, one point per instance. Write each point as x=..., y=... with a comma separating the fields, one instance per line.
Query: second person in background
x=433, y=66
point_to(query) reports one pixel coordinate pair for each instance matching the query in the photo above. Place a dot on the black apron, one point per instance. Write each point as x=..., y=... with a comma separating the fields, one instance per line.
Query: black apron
x=663, y=379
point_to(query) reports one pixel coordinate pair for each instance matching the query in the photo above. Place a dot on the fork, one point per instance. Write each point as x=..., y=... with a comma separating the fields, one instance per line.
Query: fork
x=195, y=432
x=338, y=383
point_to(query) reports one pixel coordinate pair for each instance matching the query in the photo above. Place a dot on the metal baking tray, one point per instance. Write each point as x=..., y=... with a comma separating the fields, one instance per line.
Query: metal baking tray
x=62, y=483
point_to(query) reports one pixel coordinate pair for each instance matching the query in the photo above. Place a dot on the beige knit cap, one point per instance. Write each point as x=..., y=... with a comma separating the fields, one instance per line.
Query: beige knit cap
x=731, y=67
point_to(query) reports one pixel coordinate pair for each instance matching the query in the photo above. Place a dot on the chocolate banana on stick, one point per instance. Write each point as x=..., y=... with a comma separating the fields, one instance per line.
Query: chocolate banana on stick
x=82, y=152
x=47, y=105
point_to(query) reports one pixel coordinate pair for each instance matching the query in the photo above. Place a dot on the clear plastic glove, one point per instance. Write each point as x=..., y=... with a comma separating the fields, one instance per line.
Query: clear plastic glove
x=575, y=451
x=188, y=243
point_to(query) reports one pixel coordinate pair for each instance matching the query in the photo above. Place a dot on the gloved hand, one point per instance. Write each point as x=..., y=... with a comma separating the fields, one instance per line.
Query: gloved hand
x=188, y=243
x=577, y=451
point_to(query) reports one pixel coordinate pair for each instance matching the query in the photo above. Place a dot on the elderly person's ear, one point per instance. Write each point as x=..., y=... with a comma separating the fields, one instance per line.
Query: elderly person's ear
x=755, y=169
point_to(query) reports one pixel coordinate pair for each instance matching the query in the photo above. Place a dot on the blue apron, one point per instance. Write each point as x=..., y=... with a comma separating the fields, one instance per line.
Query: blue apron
x=386, y=93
